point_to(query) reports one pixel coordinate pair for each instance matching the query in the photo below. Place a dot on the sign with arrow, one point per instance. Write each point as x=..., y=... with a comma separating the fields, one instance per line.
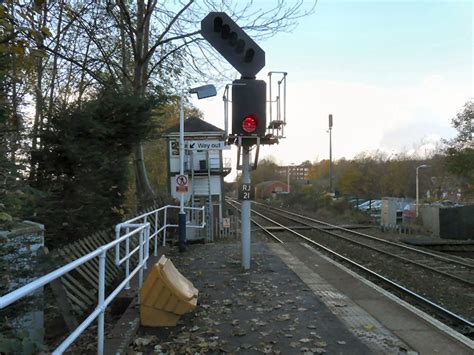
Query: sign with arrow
x=206, y=145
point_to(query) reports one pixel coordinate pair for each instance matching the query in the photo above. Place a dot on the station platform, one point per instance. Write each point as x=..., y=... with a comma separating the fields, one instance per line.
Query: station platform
x=292, y=300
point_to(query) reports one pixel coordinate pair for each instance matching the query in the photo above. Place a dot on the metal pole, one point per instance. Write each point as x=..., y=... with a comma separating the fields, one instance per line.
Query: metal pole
x=246, y=211
x=193, y=185
x=147, y=241
x=127, y=262
x=226, y=110
x=182, y=214
x=330, y=160
x=270, y=95
x=101, y=319
x=417, y=191
x=165, y=223
x=284, y=98
x=210, y=212
x=330, y=154
x=155, y=250
x=140, y=259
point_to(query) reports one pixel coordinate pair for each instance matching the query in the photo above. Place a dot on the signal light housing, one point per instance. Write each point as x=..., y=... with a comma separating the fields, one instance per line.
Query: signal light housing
x=233, y=43
x=249, y=102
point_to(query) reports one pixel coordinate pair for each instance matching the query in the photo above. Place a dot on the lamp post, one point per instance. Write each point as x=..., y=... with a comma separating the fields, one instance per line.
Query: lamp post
x=330, y=155
x=202, y=92
x=288, y=177
x=417, y=185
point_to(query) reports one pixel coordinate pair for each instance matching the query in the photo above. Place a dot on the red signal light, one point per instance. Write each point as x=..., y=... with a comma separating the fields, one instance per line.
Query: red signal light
x=249, y=124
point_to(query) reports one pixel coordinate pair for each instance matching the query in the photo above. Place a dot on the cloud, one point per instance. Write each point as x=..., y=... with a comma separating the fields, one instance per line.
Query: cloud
x=366, y=117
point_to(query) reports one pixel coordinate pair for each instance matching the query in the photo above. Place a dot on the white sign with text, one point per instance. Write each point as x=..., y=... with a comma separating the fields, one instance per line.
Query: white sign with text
x=206, y=145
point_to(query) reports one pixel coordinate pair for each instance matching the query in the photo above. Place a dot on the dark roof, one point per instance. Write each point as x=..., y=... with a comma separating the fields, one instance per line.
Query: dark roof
x=194, y=124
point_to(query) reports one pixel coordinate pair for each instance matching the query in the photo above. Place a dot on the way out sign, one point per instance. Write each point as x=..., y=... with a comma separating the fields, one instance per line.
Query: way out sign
x=181, y=183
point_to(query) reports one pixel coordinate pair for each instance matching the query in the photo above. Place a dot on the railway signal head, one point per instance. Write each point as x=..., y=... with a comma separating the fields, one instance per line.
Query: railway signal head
x=249, y=107
x=233, y=44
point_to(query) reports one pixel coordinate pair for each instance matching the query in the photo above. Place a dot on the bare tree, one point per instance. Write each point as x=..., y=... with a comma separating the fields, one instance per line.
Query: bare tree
x=138, y=45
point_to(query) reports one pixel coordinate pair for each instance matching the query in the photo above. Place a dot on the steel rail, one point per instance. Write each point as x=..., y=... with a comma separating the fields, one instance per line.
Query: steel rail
x=410, y=261
x=441, y=310
x=258, y=224
x=441, y=257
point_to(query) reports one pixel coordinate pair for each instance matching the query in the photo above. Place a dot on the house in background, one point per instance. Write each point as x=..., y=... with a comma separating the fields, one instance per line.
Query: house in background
x=266, y=189
x=205, y=169
x=299, y=173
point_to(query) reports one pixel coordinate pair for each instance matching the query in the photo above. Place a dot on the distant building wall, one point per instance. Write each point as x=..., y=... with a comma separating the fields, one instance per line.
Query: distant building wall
x=297, y=172
x=430, y=217
x=268, y=188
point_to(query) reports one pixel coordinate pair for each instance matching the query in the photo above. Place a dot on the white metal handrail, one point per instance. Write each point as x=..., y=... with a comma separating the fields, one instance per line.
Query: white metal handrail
x=144, y=218
x=135, y=226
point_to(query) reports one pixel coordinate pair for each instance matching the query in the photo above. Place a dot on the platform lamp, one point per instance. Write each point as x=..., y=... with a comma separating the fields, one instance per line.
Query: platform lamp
x=423, y=166
x=202, y=93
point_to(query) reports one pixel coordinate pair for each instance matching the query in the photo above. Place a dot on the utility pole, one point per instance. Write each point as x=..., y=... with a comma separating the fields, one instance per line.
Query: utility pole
x=330, y=154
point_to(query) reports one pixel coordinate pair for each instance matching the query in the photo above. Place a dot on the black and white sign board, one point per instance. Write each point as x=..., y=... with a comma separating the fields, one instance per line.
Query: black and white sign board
x=206, y=145
x=246, y=192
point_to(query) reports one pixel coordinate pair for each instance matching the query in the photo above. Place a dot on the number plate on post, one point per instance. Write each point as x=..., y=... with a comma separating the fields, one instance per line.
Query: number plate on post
x=246, y=192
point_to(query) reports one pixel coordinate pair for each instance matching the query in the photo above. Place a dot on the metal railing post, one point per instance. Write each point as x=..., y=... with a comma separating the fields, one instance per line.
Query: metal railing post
x=166, y=223
x=155, y=251
x=146, y=251
x=100, y=305
x=117, y=247
x=127, y=262
x=140, y=260
x=147, y=244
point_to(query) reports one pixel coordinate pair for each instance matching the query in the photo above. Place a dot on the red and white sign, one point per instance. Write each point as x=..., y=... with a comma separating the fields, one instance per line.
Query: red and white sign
x=181, y=183
x=226, y=222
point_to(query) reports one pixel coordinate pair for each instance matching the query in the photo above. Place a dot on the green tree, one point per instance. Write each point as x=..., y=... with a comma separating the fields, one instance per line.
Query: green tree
x=84, y=164
x=266, y=171
x=460, y=151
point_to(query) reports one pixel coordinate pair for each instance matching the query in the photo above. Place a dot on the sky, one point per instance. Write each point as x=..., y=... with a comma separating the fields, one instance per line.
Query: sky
x=392, y=73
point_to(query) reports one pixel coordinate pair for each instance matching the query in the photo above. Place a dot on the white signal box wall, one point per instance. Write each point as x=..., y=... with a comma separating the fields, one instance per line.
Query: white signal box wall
x=205, y=168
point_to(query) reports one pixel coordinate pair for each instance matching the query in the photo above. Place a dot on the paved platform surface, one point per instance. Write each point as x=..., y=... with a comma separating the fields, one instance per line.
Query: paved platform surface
x=267, y=309
x=293, y=300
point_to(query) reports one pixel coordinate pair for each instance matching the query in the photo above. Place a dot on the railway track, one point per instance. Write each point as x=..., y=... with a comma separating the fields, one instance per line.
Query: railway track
x=442, y=285
x=451, y=267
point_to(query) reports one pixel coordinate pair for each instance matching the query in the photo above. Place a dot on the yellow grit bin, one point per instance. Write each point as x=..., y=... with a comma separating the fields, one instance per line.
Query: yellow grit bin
x=166, y=295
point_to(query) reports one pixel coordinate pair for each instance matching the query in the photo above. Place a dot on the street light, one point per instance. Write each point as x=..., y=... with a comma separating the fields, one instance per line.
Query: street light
x=288, y=177
x=202, y=93
x=330, y=155
x=417, y=185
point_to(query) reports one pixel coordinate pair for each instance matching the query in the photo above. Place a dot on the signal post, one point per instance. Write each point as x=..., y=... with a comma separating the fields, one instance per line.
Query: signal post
x=249, y=119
